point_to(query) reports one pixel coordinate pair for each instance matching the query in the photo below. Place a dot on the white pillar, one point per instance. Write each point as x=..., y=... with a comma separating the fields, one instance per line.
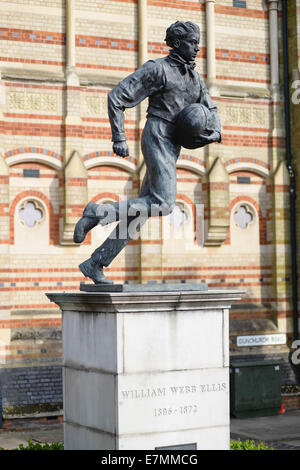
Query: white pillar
x=274, y=54
x=142, y=58
x=2, y=109
x=73, y=147
x=211, y=48
x=142, y=32
x=71, y=76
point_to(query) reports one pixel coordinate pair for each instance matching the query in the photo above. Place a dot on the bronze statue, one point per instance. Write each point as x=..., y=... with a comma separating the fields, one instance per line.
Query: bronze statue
x=180, y=112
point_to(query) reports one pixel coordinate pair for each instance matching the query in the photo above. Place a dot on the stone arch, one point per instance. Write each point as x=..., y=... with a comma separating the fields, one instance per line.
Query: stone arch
x=251, y=165
x=107, y=160
x=189, y=202
x=108, y=195
x=33, y=154
x=195, y=166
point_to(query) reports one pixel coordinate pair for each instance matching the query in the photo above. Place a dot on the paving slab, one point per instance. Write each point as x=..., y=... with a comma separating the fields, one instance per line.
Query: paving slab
x=279, y=431
x=12, y=439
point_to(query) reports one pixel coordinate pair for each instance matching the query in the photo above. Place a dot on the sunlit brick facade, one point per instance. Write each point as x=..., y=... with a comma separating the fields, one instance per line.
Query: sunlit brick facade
x=58, y=61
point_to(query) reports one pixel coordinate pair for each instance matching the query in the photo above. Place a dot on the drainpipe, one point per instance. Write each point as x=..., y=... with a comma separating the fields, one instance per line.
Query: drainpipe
x=290, y=170
x=211, y=48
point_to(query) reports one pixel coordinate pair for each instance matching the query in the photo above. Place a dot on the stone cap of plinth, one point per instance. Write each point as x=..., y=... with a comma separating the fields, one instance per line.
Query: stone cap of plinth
x=141, y=300
x=150, y=286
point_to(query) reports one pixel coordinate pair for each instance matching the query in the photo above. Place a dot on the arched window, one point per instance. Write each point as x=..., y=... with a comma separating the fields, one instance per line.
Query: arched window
x=179, y=216
x=31, y=226
x=244, y=227
x=243, y=216
x=181, y=227
x=31, y=213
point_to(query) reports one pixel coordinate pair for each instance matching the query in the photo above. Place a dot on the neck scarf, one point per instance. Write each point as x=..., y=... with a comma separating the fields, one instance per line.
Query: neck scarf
x=181, y=63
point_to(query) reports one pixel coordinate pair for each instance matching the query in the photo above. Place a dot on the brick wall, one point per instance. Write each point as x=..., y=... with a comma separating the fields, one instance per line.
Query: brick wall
x=31, y=391
x=43, y=119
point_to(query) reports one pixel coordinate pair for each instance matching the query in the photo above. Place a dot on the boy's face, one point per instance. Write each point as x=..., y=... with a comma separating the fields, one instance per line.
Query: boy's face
x=188, y=47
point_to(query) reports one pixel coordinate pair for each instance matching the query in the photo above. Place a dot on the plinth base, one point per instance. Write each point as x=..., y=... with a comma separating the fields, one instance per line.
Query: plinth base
x=149, y=287
x=146, y=370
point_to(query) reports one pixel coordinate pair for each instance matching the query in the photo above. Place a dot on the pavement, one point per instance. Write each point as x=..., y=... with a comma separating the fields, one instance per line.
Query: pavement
x=37, y=433
x=282, y=432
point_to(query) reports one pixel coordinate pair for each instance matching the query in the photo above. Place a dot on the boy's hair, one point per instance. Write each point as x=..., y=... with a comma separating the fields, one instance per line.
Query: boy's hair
x=179, y=30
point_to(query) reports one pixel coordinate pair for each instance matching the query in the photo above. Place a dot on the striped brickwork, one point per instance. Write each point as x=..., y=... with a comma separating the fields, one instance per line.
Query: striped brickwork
x=56, y=152
x=294, y=71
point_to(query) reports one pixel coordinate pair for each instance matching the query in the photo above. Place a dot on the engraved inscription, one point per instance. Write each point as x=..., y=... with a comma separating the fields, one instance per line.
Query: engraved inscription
x=162, y=402
x=172, y=391
x=144, y=393
x=173, y=400
x=180, y=410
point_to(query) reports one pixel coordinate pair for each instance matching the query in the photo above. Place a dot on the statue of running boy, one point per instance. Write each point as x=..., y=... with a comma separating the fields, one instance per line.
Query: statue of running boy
x=171, y=84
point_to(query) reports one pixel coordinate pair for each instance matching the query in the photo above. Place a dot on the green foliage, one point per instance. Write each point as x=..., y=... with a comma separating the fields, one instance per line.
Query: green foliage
x=234, y=445
x=37, y=446
x=248, y=445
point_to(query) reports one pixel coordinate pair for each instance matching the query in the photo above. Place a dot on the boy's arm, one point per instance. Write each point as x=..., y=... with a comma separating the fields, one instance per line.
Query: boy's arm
x=128, y=93
x=206, y=100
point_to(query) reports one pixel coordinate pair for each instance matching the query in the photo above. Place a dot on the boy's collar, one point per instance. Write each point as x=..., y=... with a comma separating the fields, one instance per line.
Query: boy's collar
x=179, y=61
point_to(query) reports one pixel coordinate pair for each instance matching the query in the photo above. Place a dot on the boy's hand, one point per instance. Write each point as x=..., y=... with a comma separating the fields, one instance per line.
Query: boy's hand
x=121, y=148
x=212, y=138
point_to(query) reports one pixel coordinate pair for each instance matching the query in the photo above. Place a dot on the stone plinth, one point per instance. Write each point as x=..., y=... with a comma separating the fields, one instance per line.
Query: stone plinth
x=146, y=370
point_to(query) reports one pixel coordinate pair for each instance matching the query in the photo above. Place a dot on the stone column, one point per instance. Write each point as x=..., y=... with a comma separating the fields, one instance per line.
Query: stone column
x=4, y=203
x=281, y=241
x=274, y=54
x=6, y=295
x=146, y=369
x=71, y=75
x=211, y=48
x=142, y=32
x=211, y=151
x=2, y=107
x=277, y=96
x=75, y=183
x=218, y=202
x=142, y=58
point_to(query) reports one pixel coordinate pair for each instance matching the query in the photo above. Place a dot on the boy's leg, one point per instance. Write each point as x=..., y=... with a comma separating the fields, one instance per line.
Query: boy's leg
x=110, y=248
x=119, y=237
x=105, y=214
x=158, y=189
x=117, y=240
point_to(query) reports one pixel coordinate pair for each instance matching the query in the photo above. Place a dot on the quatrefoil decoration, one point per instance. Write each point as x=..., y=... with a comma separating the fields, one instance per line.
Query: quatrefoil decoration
x=243, y=217
x=30, y=214
x=177, y=217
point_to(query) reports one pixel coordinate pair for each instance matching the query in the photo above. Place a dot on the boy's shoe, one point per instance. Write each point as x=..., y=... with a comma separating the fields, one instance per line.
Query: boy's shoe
x=94, y=271
x=86, y=223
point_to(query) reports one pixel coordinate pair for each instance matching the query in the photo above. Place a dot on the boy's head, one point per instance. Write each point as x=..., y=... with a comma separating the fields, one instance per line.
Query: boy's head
x=184, y=38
